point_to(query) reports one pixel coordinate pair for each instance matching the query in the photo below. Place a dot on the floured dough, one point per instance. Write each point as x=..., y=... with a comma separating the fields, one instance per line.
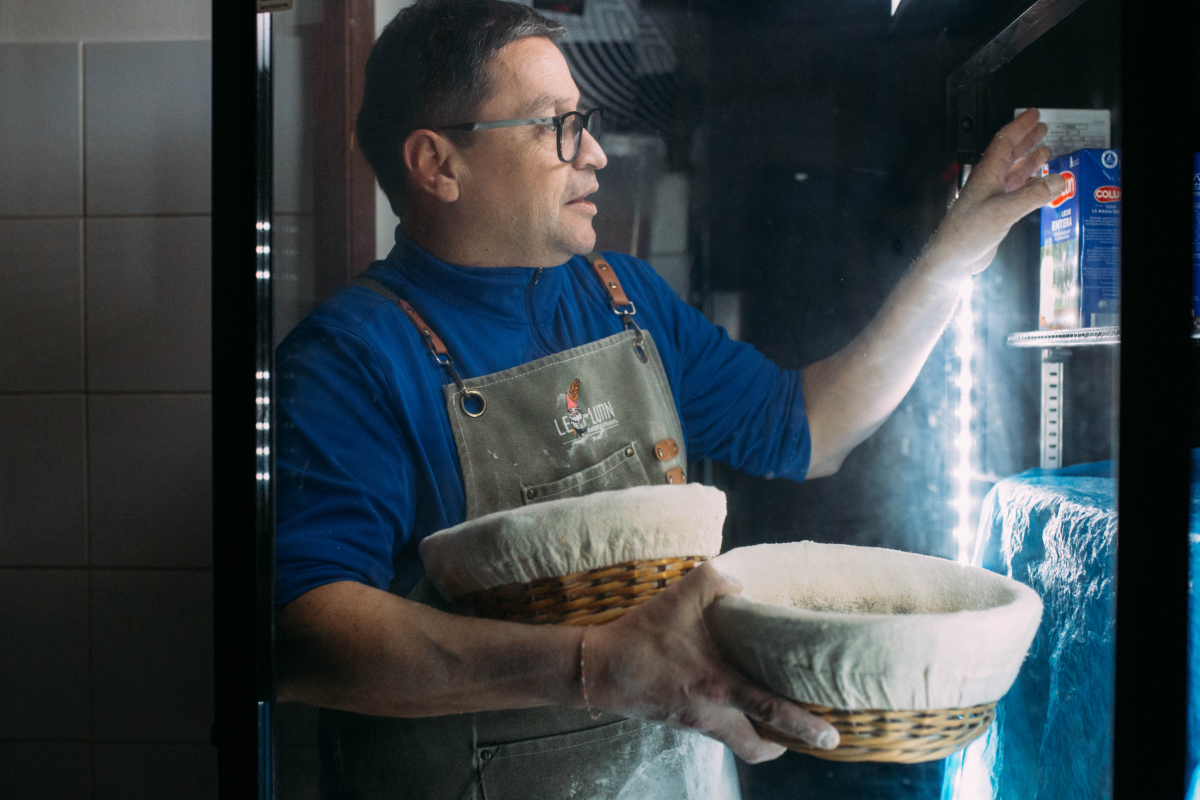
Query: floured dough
x=868, y=628
x=561, y=537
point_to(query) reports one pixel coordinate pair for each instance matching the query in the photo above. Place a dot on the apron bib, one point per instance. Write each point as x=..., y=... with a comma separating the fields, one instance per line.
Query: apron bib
x=593, y=418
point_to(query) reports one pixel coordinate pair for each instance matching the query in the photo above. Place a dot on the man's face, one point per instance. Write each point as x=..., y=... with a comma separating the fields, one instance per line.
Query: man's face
x=529, y=205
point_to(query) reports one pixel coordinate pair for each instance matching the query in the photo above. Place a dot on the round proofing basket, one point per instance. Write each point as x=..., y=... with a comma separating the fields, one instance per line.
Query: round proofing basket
x=583, y=598
x=906, y=655
x=904, y=737
x=577, y=561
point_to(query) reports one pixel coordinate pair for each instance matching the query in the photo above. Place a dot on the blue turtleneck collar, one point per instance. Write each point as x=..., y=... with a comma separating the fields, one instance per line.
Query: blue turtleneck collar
x=496, y=292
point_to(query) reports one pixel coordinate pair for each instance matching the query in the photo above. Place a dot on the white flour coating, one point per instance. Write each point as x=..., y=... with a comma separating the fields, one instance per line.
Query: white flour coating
x=561, y=537
x=696, y=768
x=815, y=577
x=868, y=628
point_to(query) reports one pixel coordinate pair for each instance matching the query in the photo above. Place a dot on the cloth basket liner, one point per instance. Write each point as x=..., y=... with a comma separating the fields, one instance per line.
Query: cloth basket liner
x=869, y=628
x=562, y=537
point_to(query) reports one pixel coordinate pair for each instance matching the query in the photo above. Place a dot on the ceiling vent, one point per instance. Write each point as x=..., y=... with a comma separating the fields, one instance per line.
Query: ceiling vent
x=622, y=60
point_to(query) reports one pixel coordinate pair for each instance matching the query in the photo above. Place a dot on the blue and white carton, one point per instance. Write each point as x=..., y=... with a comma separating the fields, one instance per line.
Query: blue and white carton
x=1081, y=243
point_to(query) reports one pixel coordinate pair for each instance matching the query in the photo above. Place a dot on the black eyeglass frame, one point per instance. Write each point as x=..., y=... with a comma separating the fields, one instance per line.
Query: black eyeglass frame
x=558, y=122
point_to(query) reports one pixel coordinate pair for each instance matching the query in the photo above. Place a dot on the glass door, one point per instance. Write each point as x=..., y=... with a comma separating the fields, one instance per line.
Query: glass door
x=782, y=167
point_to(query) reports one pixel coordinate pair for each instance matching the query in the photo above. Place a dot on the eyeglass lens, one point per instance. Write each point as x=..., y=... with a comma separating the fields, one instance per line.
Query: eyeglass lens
x=572, y=137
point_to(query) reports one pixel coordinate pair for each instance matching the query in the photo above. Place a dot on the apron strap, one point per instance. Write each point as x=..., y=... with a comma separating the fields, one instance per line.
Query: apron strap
x=618, y=301
x=432, y=340
x=437, y=348
x=611, y=283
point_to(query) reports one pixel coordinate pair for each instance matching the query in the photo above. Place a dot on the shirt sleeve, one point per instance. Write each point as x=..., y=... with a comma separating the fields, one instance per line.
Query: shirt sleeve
x=345, y=492
x=736, y=405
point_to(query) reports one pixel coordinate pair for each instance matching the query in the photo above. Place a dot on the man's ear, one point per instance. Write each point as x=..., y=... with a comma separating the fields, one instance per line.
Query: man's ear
x=430, y=170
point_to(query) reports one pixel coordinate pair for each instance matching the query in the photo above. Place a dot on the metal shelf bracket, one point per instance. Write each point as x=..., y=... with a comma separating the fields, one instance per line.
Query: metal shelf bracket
x=1054, y=376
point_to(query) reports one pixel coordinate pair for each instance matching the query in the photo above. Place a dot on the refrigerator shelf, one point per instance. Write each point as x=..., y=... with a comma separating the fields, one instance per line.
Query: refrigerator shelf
x=1076, y=337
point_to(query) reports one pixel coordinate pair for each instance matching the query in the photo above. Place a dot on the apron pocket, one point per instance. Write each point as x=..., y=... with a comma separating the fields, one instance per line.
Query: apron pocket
x=627, y=760
x=622, y=470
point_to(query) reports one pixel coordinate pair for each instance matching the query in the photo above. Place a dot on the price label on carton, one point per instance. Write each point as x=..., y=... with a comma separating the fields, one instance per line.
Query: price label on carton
x=1074, y=129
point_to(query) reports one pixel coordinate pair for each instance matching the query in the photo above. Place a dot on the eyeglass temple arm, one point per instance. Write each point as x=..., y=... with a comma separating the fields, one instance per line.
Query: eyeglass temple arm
x=500, y=123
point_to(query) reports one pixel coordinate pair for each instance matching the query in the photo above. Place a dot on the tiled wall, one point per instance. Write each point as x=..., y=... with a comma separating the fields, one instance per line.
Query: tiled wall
x=105, y=421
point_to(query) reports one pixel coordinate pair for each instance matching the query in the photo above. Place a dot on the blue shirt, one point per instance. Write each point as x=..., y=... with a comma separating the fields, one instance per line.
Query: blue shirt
x=366, y=460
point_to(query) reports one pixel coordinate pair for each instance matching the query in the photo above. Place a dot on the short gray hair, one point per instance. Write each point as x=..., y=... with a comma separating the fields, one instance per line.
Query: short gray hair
x=428, y=68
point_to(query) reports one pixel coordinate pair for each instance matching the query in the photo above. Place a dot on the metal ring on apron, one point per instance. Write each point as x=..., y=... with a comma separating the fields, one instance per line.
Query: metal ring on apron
x=626, y=315
x=462, y=403
x=637, y=347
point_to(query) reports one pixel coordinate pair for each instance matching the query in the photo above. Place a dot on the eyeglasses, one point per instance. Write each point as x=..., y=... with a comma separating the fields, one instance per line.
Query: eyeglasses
x=569, y=128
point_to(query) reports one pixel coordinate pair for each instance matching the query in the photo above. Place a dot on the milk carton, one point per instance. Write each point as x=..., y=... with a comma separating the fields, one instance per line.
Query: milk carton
x=1081, y=243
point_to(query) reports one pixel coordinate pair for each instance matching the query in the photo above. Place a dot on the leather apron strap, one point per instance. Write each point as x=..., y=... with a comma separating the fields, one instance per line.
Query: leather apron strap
x=621, y=305
x=473, y=403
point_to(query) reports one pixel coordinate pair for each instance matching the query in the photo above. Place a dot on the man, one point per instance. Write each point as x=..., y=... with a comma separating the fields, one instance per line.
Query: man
x=488, y=273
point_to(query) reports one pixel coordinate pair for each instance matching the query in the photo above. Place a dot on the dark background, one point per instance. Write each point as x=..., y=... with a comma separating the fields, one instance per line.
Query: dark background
x=835, y=91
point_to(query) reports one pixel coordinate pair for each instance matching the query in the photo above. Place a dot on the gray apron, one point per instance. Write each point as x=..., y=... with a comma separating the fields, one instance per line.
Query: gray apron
x=593, y=418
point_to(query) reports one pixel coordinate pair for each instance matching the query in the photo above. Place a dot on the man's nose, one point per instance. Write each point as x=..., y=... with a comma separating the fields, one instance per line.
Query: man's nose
x=591, y=154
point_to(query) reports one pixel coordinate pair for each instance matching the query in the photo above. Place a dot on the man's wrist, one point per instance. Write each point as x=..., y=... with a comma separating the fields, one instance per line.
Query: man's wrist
x=593, y=662
x=940, y=264
x=568, y=675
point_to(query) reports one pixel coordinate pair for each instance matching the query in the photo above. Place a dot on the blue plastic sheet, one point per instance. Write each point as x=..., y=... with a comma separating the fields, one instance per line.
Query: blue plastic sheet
x=1054, y=530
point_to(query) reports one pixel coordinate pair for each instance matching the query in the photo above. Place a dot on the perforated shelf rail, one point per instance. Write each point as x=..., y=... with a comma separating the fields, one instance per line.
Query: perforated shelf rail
x=1076, y=337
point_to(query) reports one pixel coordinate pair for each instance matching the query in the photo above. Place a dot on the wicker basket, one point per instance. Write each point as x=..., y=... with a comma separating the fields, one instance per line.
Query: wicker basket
x=582, y=598
x=905, y=737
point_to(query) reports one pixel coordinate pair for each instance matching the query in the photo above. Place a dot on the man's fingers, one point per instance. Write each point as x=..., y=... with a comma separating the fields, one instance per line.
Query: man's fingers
x=1022, y=125
x=709, y=583
x=1011, y=142
x=735, y=731
x=1026, y=168
x=1030, y=197
x=1031, y=140
x=783, y=715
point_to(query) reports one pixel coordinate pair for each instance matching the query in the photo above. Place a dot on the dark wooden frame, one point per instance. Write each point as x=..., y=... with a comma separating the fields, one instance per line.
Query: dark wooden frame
x=345, y=205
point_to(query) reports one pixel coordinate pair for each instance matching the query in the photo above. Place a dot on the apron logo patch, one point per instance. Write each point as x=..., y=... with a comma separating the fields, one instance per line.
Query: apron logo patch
x=579, y=425
x=574, y=415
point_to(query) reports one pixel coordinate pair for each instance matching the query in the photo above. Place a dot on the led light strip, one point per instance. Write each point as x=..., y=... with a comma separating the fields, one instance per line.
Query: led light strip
x=968, y=772
x=964, y=350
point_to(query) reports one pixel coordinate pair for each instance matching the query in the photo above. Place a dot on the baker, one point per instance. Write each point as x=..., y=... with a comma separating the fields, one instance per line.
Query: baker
x=435, y=388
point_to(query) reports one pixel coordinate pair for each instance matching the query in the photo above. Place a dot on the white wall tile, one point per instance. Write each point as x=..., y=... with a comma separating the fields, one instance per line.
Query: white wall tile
x=41, y=305
x=149, y=120
x=152, y=655
x=43, y=481
x=44, y=657
x=149, y=312
x=40, y=130
x=150, y=480
x=104, y=20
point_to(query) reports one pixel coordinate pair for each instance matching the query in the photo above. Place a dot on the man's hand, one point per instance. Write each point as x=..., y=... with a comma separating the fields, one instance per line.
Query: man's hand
x=1002, y=189
x=659, y=662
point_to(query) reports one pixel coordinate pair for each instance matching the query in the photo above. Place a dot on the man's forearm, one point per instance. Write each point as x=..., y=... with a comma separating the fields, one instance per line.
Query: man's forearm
x=849, y=395
x=349, y=646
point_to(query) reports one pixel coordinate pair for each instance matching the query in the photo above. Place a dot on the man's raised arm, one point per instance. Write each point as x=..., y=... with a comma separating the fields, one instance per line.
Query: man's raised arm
x=849, y=395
